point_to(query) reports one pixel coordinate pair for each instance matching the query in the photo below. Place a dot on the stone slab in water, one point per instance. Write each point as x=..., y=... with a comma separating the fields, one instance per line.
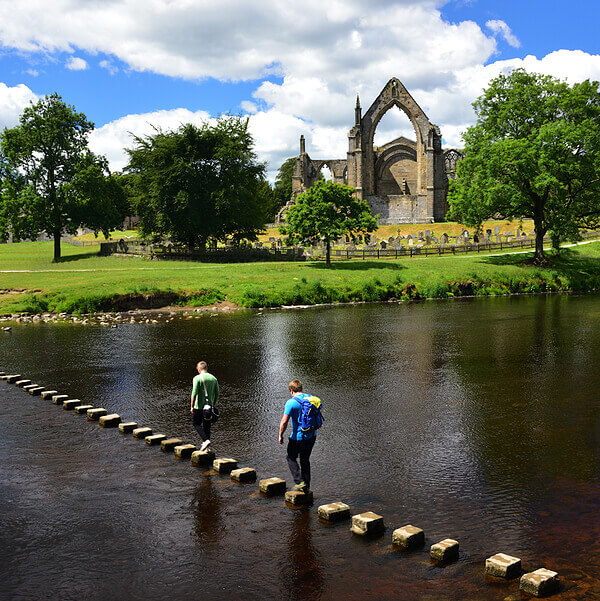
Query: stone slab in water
x=83, y=409
x=168, y=444
x=48, y=394
x=203, y=458
x=154, y=439
x=334, y=512
x=503, y=566
x=244, y=474
x=140, y=433
x=367, y=523
x=183, y=451
x=21, y=383
x=95, y=414
x=224, y=465
x=127, y=427
x=27, y=387
x=408, y=537
x=36, y=391
x=13, y=378
x=58, y=399
x=110, y=421
x=299, y=497
x=71, y=404
x=445, y=550
x=272, y=486
x=541, y=582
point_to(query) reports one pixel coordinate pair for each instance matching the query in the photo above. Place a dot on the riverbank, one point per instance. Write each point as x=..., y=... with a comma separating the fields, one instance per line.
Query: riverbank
x=83, y=282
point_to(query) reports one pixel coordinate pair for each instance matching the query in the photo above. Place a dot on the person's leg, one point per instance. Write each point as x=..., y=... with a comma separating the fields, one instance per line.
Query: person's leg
x=292, y=456
x=199, y=424
x=207, y=429
x=305, y=451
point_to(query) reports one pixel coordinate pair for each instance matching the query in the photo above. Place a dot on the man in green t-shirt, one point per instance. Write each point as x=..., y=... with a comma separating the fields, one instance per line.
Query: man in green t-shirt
x=205, y=396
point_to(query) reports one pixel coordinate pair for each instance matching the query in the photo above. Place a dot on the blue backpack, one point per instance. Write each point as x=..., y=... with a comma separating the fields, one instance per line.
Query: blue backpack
x=310, y=418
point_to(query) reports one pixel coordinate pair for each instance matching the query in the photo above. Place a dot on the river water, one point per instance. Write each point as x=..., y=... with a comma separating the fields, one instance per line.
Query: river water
x=477, y=420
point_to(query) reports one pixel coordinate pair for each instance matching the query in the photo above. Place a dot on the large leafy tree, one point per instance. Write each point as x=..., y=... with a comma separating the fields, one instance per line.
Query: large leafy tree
x=52, y=182
x=325, y=212
x=534, y=152
x=199, y=182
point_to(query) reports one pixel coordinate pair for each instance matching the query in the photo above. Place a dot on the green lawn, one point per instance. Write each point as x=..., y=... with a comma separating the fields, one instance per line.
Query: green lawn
x=85, y=282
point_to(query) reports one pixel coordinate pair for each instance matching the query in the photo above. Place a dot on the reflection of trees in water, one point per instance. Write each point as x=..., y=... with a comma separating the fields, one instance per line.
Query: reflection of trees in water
x=302, y=577
x=207, y=513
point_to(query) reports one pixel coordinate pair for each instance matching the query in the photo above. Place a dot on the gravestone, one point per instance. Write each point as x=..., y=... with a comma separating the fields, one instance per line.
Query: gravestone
x=476, y=238
x=427, y=233
x=390, y=239
x=410, y=242
x=435, y=240
x=420, y=235
x=498, y=238
x=444, y=238
x=488, y=234
x=427, y=239
x=383, y=245
x=518, y=232
x=459, y=239
x=271, y=239
x=496, y=229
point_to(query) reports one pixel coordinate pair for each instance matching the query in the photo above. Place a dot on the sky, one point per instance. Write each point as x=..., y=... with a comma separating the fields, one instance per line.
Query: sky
x=292, y=67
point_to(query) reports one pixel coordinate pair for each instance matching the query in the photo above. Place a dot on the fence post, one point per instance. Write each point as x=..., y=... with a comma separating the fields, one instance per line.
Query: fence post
x=363, y=254
x=378, y=253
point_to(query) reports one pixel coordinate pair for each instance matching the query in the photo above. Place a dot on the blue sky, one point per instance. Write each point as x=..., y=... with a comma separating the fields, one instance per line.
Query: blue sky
x=293, y=68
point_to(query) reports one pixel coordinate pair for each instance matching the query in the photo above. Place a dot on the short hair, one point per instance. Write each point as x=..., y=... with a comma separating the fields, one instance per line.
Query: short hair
x=202, y=365
x=296, y=386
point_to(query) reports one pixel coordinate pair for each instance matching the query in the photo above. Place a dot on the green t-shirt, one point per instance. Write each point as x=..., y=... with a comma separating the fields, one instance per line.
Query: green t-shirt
x=212, y=388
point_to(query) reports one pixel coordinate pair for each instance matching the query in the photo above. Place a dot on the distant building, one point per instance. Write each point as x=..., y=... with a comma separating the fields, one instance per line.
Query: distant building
x=404, y=181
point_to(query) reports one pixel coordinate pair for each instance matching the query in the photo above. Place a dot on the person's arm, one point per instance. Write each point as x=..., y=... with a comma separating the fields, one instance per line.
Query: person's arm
x=216, y=392
x=282, y=426
x=194, y=394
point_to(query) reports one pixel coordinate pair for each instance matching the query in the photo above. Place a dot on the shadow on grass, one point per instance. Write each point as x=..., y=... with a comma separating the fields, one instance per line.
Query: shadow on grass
x=569, y=261
x=356, y=265
x=76, y=257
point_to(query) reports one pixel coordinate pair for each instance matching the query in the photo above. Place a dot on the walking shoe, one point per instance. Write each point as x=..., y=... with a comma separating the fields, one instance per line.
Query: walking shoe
x=301, y=487
x=205, y=445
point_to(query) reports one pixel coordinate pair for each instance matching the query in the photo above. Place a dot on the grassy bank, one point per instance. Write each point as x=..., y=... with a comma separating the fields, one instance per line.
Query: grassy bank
x=83, y=282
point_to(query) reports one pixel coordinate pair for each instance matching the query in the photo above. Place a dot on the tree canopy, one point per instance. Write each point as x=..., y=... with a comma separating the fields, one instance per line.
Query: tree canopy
x=51, y=181
x=325, y=212
x=197, y=183
x=534, y=152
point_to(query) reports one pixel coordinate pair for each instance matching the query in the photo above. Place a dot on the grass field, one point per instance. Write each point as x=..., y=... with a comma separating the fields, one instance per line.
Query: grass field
x=83, y=282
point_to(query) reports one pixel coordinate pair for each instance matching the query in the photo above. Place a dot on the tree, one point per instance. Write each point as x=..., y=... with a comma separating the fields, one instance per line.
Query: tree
x=199, y=182
x=52, y=182
x=534, y=152
x=283, y=182
x=325, y=212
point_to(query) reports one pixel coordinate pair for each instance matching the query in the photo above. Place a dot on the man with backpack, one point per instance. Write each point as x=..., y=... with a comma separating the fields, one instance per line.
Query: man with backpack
x=205, y=395
x=305, y=412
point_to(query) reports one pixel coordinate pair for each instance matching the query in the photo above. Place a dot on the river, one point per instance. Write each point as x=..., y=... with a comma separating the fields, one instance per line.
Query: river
x=474, y=419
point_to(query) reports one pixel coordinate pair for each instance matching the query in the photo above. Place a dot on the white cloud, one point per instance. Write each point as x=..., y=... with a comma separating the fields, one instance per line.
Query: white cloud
x=74, y=63
x=12, y=102
x=324, y=52
x=32, y=72
x=112, y=138
x=500, y=27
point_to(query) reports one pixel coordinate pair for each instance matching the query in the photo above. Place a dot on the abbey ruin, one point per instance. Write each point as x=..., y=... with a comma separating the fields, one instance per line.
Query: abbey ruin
x=404, y=181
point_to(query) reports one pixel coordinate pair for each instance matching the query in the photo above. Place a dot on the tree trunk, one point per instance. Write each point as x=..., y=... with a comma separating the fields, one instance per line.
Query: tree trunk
x=56, y=236
x=328, y=254
x=539, y=244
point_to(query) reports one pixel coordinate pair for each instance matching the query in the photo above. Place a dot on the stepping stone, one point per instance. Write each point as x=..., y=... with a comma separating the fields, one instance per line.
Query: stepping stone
x=203, y=458
x=541, y=582
x=110, y=421
x=224, y=465
x=154, y=439
x=58, y=399
x=272, y=486
x=21, y=383
x=83, y=409
x=298, y=497
x=446, y=550
x=244, y=474
x=334, y=512
x=95, y=414
x=169, y=444
x=13, y=378
x=28, y=386
x=48, y=394
x=36, y=391
x=367, y=523
x=71, y=404
x=408, y=537
x=183, y=451
x=503, y=566
x=127, y=427
x=140, y=433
